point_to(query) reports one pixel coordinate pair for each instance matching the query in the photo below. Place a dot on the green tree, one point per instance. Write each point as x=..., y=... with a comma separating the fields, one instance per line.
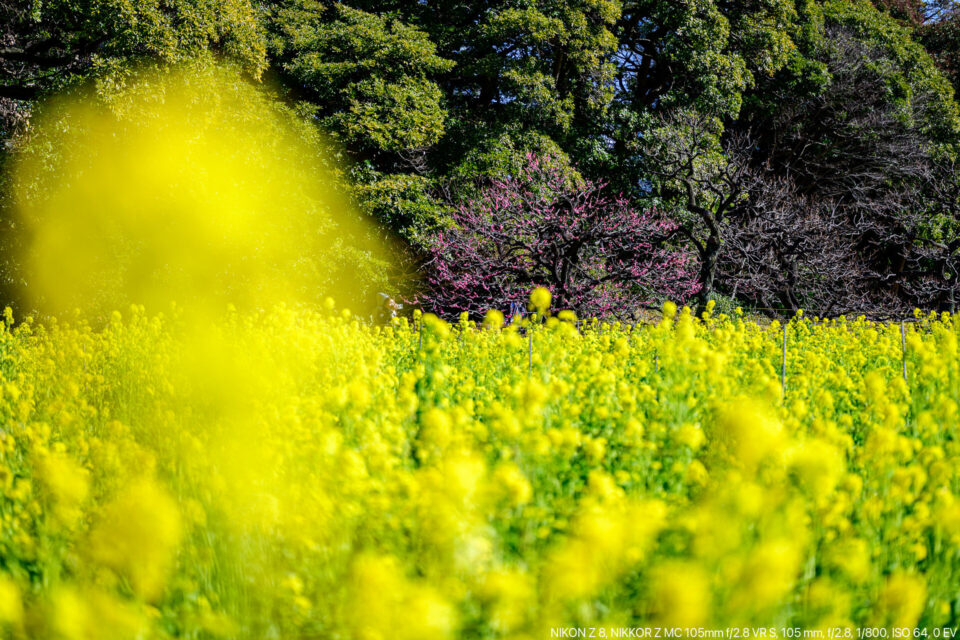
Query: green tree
x=369, y=80
x=865, y=82
x=369, y=77
x=48, y=44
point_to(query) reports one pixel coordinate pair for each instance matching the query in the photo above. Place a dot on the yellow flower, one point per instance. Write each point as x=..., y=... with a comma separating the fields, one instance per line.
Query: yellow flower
x=67, y=483
x=768, y=575
x=385, y=604
x=669, y=310
x=680, y=595
x=137, y=536
x=93, y=614
x=595, y=448
x=902, y=600
x=437, y=427
x=851, y=557
x=817, y=467
x=11, y=606
x=493, y=319
x=697, y=473
x=510, y=594
x=690, y=435
x=748, y=433
x=513, y=484
x=540, y=299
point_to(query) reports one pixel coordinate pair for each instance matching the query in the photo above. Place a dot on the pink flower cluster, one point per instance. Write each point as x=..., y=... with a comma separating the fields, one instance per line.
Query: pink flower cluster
x=597, y=255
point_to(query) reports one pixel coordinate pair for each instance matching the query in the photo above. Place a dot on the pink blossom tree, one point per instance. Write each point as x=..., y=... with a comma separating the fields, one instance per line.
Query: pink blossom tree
x=598, y=255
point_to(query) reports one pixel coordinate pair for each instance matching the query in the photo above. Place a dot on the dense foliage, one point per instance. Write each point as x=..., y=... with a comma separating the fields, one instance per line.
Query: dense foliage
x=730, y=117
x=299, y=474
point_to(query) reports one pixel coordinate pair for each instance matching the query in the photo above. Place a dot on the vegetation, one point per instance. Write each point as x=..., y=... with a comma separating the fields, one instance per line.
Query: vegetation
x=596, y=255
x=299, y=474
x=196, y=443
x=841, y=107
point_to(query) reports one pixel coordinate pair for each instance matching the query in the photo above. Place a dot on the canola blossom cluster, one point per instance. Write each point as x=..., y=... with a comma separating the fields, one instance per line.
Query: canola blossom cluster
x=298, y=474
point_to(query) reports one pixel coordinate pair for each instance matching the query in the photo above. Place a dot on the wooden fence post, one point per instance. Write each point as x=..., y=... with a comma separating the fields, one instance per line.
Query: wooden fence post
x=656, y=371
x=530, y=352
x=783, y=365
x=903, y=348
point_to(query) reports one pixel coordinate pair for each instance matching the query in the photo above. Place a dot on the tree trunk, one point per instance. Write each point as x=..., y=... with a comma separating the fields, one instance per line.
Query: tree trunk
x=708, y=270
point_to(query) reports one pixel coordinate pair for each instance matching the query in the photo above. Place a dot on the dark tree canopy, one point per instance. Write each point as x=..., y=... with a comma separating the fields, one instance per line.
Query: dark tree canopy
x=47, y=45
x=727, y=116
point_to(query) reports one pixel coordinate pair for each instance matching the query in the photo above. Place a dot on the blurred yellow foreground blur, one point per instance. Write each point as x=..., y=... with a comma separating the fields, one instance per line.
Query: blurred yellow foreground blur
x=187, y=186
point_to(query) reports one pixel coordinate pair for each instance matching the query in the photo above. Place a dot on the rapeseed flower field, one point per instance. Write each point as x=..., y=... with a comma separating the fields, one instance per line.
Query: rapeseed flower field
x=299, y=474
